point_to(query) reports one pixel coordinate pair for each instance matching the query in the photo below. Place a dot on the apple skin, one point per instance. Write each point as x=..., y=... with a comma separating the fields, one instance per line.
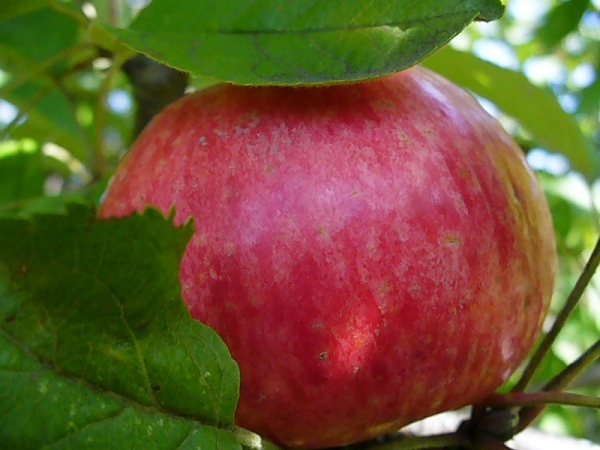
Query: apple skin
x=371, y=253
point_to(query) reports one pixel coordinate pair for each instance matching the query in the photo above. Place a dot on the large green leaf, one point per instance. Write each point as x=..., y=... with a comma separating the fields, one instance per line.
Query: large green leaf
x=561, y=21
x=97, y=350
x=11, y=8
x=258, y=42
x=589, y=97
x=536, y=109
x=30, y=39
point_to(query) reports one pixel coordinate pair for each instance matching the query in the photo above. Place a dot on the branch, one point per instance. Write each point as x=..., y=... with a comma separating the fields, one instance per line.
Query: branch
x=529, y=439
x=154, y=87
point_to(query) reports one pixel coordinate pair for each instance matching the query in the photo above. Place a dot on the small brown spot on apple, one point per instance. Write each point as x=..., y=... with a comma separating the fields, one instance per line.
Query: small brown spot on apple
x=384, y=288
x=323, y=355
x=528, y=302
x=378, y=430
x=403, y=138
x=229, y=248
x=452, y=240
x=383, y=104
x=435, y=403
x=249, y=119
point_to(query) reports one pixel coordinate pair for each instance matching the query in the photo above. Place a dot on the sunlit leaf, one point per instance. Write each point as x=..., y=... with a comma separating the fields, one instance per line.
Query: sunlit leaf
x=536, y=109
x=47, y=116
x=312, y=41
x=590, y=97
x=28, y=42
x=561, y=21
x=21, y=172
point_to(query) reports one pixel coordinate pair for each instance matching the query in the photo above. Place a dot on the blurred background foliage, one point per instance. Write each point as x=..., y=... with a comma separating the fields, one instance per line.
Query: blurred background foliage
x=67, y=117
x=556, y=45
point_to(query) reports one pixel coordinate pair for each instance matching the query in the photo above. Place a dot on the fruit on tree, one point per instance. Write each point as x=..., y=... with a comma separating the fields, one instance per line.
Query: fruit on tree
x=371, y=253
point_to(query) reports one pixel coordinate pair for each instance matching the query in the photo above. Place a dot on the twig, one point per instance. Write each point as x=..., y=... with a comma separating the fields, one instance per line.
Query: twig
x=5, y=132
x=42, y=67
x=446, y=440
x=529, y=399
x=98, y=159
x=155, y=85
x=561, y=381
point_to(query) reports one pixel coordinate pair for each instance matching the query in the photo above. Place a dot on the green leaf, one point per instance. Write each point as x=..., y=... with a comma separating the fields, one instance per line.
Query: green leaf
x=590, y=96
x=561, y=21
x=28, y=45
x=97, y=350
x=22, y=172
x=30, y=39
x=11, y=8
x=49, y=117
x=536, y=109
x=257, y=42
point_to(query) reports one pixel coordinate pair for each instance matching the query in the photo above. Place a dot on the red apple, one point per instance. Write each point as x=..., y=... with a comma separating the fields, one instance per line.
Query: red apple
x=371, y=253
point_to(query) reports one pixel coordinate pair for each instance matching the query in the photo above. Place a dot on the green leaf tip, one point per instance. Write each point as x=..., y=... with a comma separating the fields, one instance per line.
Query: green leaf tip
x=491, y=10
x=94, y=334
